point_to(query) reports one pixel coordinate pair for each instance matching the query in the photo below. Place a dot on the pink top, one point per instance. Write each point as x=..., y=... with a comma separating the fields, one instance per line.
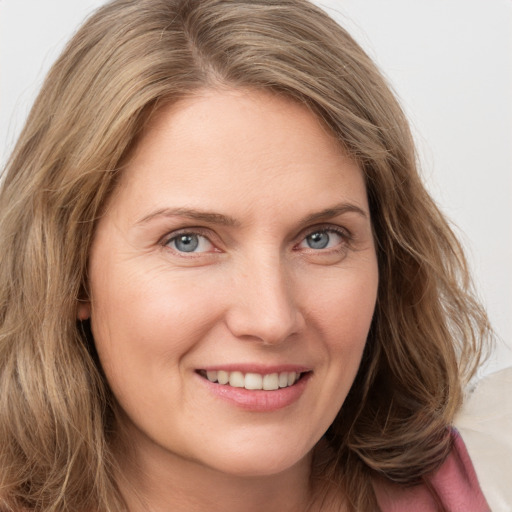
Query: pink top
x=452, y=488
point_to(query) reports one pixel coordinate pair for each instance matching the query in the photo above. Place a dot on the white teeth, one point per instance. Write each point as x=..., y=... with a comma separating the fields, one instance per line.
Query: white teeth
x=283, y=379
x=222, y=377
x=236, y=379
x=211, y=375
x=271, y=382
x=253, y=381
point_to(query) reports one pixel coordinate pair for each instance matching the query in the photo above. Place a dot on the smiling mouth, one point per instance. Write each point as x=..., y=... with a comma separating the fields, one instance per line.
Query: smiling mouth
x=253, y=381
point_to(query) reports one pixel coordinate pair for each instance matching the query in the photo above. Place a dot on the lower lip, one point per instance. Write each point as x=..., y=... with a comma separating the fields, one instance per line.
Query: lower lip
x=259, y=400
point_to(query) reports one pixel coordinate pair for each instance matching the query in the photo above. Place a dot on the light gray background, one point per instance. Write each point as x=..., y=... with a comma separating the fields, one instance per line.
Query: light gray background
x=450, y=63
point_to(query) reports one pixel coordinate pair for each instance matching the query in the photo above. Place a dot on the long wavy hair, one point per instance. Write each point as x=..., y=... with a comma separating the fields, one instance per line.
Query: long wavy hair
x=128, y=59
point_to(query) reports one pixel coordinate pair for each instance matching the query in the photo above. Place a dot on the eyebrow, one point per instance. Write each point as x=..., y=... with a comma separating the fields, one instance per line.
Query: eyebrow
x=334, y=211
x=226, y=220
x=210, y=217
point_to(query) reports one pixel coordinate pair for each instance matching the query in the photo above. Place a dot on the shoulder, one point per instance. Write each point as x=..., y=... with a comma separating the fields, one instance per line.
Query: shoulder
x=454, y=487
x=485, y=425
x=475, y=477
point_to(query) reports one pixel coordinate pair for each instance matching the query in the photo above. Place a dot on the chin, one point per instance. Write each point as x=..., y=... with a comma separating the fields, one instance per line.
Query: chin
x=262, y=461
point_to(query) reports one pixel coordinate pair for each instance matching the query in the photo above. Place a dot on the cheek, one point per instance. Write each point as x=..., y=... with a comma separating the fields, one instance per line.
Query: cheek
x=342, y=307
x=143, y=321
x=342, y=314
x=340, y=311
x=143, y=333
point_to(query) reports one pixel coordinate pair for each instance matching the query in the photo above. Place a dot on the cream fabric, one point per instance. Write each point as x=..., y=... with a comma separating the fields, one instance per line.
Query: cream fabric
x=485, y=424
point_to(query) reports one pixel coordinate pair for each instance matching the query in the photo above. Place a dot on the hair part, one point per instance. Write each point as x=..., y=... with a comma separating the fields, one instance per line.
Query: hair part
x=130, y=58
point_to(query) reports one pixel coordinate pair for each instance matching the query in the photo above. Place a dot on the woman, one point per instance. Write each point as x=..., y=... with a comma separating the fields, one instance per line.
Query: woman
x=223, y=282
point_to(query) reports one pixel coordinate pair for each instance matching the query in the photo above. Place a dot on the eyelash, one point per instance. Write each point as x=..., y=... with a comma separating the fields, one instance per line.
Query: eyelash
x=342, y=232
x=186, y=231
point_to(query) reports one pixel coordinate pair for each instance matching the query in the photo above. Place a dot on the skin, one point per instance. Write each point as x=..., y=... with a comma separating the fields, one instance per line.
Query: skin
x=253, y=292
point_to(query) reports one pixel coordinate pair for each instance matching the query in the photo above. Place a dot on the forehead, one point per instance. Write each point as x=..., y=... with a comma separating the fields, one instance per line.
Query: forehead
x=239, y=146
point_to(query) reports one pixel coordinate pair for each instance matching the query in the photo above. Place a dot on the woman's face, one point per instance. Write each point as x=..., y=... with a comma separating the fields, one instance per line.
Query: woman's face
x=238, y=246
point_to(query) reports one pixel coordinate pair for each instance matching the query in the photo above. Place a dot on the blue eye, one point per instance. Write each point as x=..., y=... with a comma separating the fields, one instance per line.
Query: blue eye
x=322, y=239
x=318, y=240
x=190, y=242
x=186, y=243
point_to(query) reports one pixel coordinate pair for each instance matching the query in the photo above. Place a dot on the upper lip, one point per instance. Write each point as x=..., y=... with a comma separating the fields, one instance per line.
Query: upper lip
x=257, y=368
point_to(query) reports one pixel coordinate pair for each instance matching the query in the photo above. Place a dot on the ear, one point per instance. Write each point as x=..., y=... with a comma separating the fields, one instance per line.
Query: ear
x=83, y=311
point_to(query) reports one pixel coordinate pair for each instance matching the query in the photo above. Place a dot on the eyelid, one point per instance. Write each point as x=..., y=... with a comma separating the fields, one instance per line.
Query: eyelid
x=210, y=236
x=334, y=228
x=203, y=232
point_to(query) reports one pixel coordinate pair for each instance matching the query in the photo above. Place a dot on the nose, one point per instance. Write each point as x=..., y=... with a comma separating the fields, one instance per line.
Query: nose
x=264, y=304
